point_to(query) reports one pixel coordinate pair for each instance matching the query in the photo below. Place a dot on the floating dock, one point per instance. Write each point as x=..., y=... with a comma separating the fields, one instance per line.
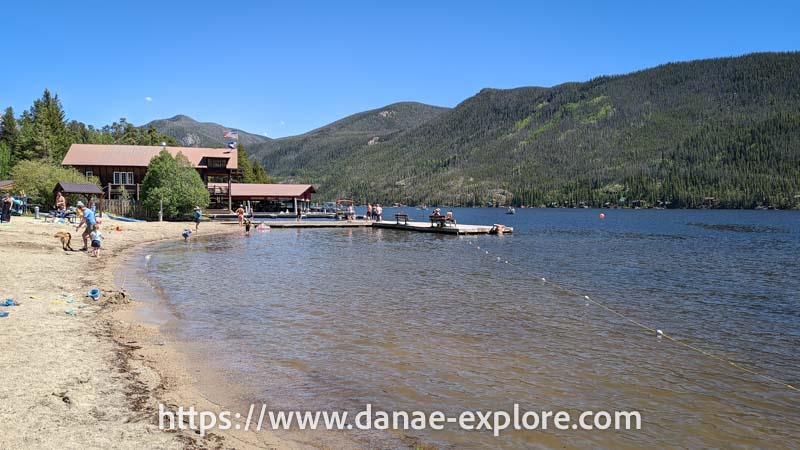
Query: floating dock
x=427, y=227
x=423, y=227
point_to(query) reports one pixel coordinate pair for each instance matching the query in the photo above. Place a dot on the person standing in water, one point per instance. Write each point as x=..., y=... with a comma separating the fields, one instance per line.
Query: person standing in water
x=197, y=216
x=247, y=224
x=240, y=215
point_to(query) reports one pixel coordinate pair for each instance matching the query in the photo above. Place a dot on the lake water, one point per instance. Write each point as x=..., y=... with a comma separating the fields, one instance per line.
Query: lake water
x=337, y=318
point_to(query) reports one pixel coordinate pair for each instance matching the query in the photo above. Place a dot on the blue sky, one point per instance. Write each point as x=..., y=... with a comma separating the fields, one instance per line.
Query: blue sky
x=283, y=68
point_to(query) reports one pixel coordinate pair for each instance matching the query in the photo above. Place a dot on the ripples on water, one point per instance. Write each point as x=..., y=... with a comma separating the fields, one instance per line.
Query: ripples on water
x=327, y=318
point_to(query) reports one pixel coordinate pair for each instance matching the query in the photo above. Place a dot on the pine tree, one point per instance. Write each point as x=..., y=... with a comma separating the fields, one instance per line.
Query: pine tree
x=9, y=135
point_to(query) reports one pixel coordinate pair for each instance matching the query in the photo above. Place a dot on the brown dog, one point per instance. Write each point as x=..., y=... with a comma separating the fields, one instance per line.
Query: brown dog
x=66, y=238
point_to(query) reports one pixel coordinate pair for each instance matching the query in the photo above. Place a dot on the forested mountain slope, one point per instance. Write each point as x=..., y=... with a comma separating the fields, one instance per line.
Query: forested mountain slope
x=727, y=128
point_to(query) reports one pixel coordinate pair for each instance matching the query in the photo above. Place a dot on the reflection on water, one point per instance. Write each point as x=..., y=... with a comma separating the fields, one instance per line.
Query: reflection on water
x=327, y=318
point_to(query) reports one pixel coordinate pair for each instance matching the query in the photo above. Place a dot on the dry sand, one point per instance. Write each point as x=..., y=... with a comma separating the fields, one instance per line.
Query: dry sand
x=93, y=379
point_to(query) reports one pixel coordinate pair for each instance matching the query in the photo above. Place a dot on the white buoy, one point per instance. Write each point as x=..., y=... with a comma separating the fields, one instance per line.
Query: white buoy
x=498, y=258
x=659, y=333
x=487, y=252
x=586, y=297
x=148, y=256
x=544, y=280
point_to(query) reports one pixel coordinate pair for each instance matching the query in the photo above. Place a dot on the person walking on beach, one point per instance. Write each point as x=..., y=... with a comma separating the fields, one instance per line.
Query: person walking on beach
x=97, y=238
x=89, y=221
x=240, y=215
x=198, y=214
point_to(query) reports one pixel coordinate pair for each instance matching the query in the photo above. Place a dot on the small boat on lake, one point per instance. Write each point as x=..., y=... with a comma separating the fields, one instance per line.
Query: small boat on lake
x=511, y=210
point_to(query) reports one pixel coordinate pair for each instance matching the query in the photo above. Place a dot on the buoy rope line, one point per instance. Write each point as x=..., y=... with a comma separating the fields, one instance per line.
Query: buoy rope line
x=657, y=332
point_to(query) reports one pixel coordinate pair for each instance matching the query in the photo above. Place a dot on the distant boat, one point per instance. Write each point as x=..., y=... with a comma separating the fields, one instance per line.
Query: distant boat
x=511, y=210
x=422, y=207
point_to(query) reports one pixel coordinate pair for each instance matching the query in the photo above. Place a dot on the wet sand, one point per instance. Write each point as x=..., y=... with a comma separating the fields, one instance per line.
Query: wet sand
x=95, y=378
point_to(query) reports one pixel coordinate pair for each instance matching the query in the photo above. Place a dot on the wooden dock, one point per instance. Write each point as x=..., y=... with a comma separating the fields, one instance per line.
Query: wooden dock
x=427, y=227
x=423, y=227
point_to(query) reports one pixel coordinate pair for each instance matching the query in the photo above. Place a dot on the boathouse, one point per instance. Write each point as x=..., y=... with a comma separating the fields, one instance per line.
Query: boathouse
x=267, y=197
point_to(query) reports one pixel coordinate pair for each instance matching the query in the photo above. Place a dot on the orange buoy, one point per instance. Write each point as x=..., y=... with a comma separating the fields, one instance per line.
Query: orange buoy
x=602, y=216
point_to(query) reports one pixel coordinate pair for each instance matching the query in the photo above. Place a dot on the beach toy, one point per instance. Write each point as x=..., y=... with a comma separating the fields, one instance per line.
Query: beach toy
x=8, y=302
x=3, y=314
x=70, y=312
x=94, y=293
x=71, y=300
x=118, y=228
x=602, y=216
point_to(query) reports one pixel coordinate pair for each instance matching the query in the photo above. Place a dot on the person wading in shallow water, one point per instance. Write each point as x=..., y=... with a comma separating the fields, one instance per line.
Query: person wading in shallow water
x=240, y=215
x=197, y=216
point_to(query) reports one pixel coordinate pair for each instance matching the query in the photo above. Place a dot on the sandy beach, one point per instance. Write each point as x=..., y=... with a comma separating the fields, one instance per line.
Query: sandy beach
x=80, y=373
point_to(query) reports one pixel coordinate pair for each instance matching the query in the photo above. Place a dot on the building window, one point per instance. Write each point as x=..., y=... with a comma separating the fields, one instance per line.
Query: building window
x=123, y=178
x=217, y=163
x=89, y=175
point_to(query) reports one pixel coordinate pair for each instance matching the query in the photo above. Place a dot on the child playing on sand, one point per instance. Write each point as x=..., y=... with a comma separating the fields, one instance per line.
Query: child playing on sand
x=97, y=238
x=186, y=233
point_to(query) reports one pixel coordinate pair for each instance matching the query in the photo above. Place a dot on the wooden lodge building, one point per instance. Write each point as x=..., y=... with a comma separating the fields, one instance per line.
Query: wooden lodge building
x=121, y=167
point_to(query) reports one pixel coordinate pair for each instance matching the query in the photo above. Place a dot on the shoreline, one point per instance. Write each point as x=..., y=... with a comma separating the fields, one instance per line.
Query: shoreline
x=95, y=376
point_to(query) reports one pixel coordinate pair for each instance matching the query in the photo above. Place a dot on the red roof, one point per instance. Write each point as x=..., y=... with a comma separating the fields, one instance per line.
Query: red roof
x=266, y=190
x=140, y=155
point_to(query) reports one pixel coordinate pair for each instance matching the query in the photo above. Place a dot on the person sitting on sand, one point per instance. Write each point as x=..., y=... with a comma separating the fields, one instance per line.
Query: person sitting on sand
x=198, y=214
x=97, y=238
x=89, y=221
x=240, y=215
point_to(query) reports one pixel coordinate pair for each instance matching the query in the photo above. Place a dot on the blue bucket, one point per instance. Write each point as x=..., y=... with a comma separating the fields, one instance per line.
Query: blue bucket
x=94, y=293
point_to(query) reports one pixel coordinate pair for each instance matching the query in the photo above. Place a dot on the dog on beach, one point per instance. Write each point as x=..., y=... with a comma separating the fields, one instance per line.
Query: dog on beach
x=66, y=238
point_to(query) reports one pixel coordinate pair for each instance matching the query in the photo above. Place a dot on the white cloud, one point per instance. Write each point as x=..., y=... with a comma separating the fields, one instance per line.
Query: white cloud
x=283, y=123
x=148, y=99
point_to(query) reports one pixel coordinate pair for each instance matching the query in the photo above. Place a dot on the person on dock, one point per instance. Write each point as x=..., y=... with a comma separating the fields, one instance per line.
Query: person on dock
x=378, y=212
x=299, y=214
x=88, y=221
x=351, y=213
x=198, y=214
x=240, y=214
x=368, y=215
x=450, y=217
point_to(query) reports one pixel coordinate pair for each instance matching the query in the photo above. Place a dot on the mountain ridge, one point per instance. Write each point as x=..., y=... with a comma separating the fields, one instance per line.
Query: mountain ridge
x=678, y=133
